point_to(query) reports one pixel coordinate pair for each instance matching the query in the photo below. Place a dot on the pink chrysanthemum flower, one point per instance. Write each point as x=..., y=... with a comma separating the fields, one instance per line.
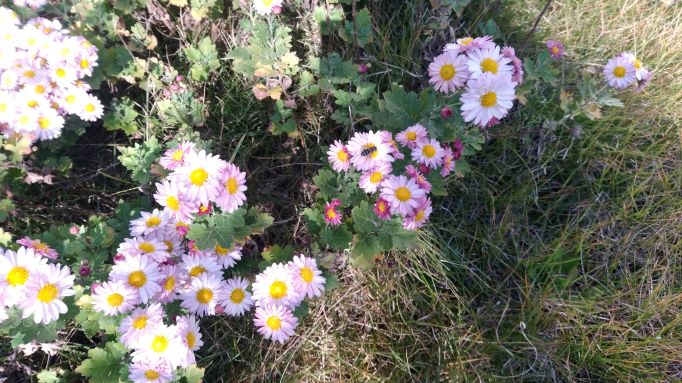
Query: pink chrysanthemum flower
x=39, y=247
x=225, y=257
x=201, y=297
x=175, y=157
x=236, y=299
x=331, y=215
x=170, y=284
x=368, y=150
x=517, y=72
x=275, y=286
x=275, y=322
x=371, y=179
x=448, y=71
x=402, y=194
x=448, y=163
x=200, y=176
x=150, y=371
x=556, y=49
x=640, y=71
x=114, y=298
x=388, y=139
x=139, y=272
x=194, y=266
x=429, y=153
x=148, y=223
x=176, y=204
x=468, y=44
x=338, y=156
x=135, y=247
x=418, y=177
x=204, y=210
x=620, y=72
x=382, y=209
x=307, y=277
x=15, y=271
x=411, y=136
x=487, y=97
x=43, y=294
x=419, y=217
x=488, y=61
x=233, y=186
x=139, y=323
x=188, y=330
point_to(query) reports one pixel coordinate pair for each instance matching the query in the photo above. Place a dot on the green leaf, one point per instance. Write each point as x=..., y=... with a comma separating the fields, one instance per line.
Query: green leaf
x=364, y=219
x=365, y=248
x=103, y=364
x=301, y=310
x=276, y=254
x=331, y=281
x=359, y=29
x=456, y=6
x=327, y=182
x=6, y=207
x=336, y=238
x=138, y=159
x=192, y=374
x=328, y=18
x=121, y=117
x=393, y=236
x=257, y=221
x=201, y=8
x=314, y=220
x=203, y=57
x=49, y=376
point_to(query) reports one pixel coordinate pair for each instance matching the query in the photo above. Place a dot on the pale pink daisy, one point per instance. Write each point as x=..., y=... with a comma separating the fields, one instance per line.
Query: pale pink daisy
x=236, y=300
x=189, y=332
x=448, y=71
x=148, y=223
x=488, y=61
x=227, y=258
x=368, y=150
x=233, y=185
x=338, y=156
x=468, y=44
x=114, y=298
x=266, y=7
x=44, y=291
x=162, y=343
x=448, y=163
x=138, y=246
x=15, y=271
x=196, y=265
x=429, y=153
x=489, y=96
x=620, y=72
x=371, y=179
x=275, y=322
x=200, y=176
x=201, y=297
x=139, y=272
x=412, y=135
x=640, y=71
x=170, y=284
x=275, y=286
x=140, y=323
x=402, y=194
x=176, y=204
x=307, y=277
x=39, y=247
x=556, y=49
x=150, y=371
x=517, y=72
x=175, y=157
x=419, y=217
x=418, y=177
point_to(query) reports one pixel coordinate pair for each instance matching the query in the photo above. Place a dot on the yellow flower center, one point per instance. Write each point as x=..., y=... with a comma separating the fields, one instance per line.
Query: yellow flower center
x=428, y=151
x=173, y=203
x=466, y=41
x=48, y=293
x=420, y=215
x=115, y=299
x=411, y=136
x=619, y=71
x=146, y=247
x=274, y=323
x=381, y=206
x=60, y=72
x=152, y=221
x=555, y=50
x=43, y=122
x=489, y=65
x=151, y=375
x=32, y=103
x=342, y=156
x=169, y=285
x=85, y=64
x=489, y=100
x=177, y=155
x=375, y=177
x=140, y=322
x=447, y=72
x=3, y=107
x=331, y=214
x=278, y=289
x=191, y=339
x=196, y=271
x=70, y=99
x=39, y=89
x=221, y=250
x=204, y=296
x=402, y=193
x=307, y=274
x=17, y=276
x=198, y=177
x=637, y=64
x=267, y=3
x=29, y=74
x=24, y=120
x=231, y=185
x=89, y=108
x=237, y=296
x=169, y=246
x=137, y=279
x=160, y=343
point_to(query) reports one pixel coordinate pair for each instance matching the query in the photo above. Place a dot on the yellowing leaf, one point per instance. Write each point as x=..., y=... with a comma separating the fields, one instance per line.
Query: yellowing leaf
x=275, y=93
x=289, y=60
x=566, y=99
x=263, y=70
x=592, y=111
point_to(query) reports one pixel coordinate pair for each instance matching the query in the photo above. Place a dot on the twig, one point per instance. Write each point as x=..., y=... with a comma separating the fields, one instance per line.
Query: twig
x=535, y=25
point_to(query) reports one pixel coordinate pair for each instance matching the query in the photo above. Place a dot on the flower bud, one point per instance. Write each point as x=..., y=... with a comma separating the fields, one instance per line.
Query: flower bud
x=446, y=112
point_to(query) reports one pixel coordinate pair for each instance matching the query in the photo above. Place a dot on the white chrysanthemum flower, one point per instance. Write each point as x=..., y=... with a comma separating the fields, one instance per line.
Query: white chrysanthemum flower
x=139, y=272
x=275, y=322
x=265, y=7
x=172, y=198
x=202, y=295
x=50, y=124
x=372, y=179
x=148, y=223
x=71, y=99
x=402, y=194
x=411, y=136
x=15, y=271
x=188, y=329
x=44, y=291
x=114, y=298
x=620, y=72
x=227, y=258
x=640, y=71
x=140, y=323
x=448, y=71
x=200, y=175
x=489, y=61
x=274, y=286
x=489, y=96
x=338, y=156
x=150, y=371
x=161, y=343
x=233, y=185
x=153, y=248
x=236, y=300
x=307, y=277
x=429, y=153
x=7, y=107
x=91, y=109
x=196, y=265
x=368, y=150
x=169, y=285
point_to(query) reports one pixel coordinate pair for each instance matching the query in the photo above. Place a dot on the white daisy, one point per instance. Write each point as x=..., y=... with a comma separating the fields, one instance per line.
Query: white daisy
x=150, y=371
x=44, y=291
x=227, y=258
x=265, y=7
x=368, y=150
x=139, y=272
x=201, y=297
x=200, y=176
x=276, y=286
x=488, y=61
x=620, y=72
x=429, y=153
x=91, y=109
x=148, y=223
x=177, y=205
x=15, y=271
x=372, y=179
x=402, y=194
x=489, y=96
x=448, y=71
x=188, y=329
x=194, y=266
x=307, y=277
x=140, y=323
x=114, y=298
x=275, y=322
x=138, y=246
x=161, y=343
x=236, y=300
x=338, y=156
x=50, y=124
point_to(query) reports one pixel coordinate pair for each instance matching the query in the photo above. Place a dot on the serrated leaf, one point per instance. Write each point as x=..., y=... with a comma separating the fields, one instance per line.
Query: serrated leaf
x=278, y=254
x=192, y=374
x=336, y=238
x=49, y=376
x=138, y=159
x=364, y=219
x=326, y=181
x=365, y=248
x=103, y=364
x=314, y=220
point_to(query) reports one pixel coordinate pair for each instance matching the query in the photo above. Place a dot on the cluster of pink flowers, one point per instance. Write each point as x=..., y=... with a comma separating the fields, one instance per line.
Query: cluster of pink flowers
x=31, y=280
x=405, y=195
x=158, y=265
x=624, y=70
x=486, y=73
x=42, y=69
